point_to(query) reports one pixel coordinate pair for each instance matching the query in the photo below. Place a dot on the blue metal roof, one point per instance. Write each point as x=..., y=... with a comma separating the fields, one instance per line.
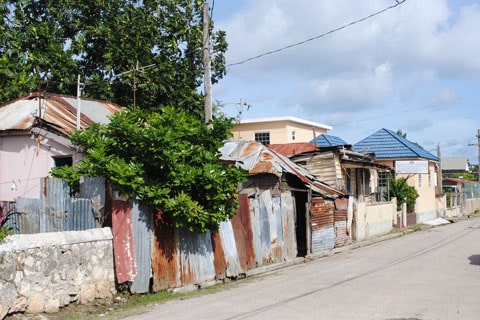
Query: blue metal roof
x=386, y=144
x=325, y=140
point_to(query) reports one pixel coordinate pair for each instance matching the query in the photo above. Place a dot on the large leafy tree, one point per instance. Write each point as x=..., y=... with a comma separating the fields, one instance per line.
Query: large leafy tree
x=146, y=53
x=167, y=159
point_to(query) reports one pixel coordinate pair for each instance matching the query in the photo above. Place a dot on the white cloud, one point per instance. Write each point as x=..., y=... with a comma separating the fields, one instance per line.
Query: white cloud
x=393, y=68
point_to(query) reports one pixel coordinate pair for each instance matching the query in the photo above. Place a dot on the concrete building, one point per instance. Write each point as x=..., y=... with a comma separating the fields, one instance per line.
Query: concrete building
x=278, y=130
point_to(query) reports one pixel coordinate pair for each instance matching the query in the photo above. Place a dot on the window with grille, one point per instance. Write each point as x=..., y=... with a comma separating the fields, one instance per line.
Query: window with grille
x=262, y=137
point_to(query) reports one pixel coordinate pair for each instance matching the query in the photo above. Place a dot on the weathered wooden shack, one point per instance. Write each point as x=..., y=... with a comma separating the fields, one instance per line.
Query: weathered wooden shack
x=272, y=225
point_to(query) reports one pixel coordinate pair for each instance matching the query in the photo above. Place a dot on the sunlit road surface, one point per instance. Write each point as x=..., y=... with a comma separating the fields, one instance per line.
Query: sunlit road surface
x=431, y=274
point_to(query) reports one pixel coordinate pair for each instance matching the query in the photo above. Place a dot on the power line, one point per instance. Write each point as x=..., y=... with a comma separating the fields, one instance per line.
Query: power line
x=398, y=2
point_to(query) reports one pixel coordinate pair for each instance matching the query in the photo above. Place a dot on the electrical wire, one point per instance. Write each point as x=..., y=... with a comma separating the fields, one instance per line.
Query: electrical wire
x=398, y=2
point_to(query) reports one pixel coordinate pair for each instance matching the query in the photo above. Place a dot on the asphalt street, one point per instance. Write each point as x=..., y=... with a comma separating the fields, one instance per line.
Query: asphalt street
x=430, y=274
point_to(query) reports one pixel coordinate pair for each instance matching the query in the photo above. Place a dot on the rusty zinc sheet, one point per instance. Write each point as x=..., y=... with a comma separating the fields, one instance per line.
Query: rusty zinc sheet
x=123, y=246
x=229, y=246
x=164, y=254
x=322, y=217
x=288, y=219
x=242, y=229
x=256, y=158
x=219, y=259
x=57, y=110
x=341, y=216
x=196, y=258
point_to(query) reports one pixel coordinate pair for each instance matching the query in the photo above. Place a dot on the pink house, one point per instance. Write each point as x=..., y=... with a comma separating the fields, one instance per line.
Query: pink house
x=34, y=138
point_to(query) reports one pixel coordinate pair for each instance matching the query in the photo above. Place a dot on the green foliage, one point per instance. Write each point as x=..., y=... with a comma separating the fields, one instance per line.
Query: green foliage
x=400, y=189
x=149, y=52
x=4, y=231
x=465, y=175
x=168, y=159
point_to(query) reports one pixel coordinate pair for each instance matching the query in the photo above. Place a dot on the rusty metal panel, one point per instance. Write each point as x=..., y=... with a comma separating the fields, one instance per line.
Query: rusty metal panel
x=288, y=218
x=142, y=238
x=323, y=239
x=277, y=243
x=94, y=189
x=164, y=254
x=123, y=247
x=242, y=229
x=219, y=260
x=80, y=215
x=54, y=203
x=28, y=215
x=341, y=236
x=196, y=258
x=262, y=230
x=341, y=203
x=230, y=249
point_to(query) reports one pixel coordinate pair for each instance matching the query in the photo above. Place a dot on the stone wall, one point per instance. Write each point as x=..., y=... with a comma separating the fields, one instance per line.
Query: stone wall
x=46, y=271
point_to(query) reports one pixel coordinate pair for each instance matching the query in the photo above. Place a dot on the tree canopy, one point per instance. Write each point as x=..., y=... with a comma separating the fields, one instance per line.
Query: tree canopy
x=146, y=53
x=167, y=159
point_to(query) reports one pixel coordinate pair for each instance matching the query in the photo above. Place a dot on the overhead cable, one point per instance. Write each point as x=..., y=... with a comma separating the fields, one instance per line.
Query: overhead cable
x=397, y=3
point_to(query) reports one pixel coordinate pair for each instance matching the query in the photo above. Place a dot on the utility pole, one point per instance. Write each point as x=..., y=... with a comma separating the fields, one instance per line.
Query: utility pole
x=478, y=154
x=207, y=81
x=79, y=101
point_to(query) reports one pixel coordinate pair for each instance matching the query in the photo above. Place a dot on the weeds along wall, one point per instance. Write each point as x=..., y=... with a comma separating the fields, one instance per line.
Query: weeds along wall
x=44, y=272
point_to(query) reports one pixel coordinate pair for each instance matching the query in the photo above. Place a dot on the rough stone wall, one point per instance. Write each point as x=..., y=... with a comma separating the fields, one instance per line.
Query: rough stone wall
x=46, y=271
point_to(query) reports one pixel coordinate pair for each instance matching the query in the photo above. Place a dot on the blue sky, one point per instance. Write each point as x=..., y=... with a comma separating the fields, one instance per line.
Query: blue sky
x=415, y=67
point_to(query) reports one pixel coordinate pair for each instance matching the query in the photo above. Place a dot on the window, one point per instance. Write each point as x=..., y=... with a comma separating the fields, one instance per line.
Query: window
x=262, y=137
x=419, y=180
x=293, y=135
x=63, y=161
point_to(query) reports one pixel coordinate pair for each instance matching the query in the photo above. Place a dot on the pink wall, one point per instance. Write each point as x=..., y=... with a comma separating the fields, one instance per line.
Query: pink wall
x=25, y=160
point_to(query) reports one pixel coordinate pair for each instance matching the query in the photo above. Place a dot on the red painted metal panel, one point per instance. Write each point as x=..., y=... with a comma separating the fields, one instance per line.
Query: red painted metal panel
x=124, y=250
x=164, y=255
x=242, y=229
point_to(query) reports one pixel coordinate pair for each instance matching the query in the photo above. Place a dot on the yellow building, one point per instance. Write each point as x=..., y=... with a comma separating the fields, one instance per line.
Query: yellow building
x=278, y=130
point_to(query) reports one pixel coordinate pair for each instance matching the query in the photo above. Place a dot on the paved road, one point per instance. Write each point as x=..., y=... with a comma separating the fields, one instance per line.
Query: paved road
x=432, y=274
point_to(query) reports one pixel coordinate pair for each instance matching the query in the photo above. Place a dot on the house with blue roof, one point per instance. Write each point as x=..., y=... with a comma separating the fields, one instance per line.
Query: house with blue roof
x=409, y=160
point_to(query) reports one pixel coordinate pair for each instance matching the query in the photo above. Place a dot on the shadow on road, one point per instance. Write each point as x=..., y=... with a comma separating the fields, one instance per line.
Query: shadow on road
x=475, y=259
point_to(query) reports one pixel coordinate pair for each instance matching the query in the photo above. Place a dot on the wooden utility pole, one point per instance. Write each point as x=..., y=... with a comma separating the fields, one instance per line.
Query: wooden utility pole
x=478, y=154
x=207, y=81
x=79, y=101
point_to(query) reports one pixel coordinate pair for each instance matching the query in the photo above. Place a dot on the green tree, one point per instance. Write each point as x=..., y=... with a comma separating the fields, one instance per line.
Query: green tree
x=400, y=189
x=147, y=52
x=167, y=159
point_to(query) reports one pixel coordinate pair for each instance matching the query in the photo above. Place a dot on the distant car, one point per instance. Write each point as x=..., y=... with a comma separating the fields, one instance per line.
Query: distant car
x=451, y=189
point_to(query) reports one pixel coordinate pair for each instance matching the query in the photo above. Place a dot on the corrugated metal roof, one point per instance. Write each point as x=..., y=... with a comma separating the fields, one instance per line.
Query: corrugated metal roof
x=455, y=163
x=290, y=149
x=325, y=140
x=256, y=158
x=386, y=144
x=57, y=110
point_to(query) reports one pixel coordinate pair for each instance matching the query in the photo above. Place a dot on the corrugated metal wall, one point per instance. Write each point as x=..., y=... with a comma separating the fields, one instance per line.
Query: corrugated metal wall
x=322, y=225
x=55, y=210
x=142, y=239
x=329, y=223
x=123, y=246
